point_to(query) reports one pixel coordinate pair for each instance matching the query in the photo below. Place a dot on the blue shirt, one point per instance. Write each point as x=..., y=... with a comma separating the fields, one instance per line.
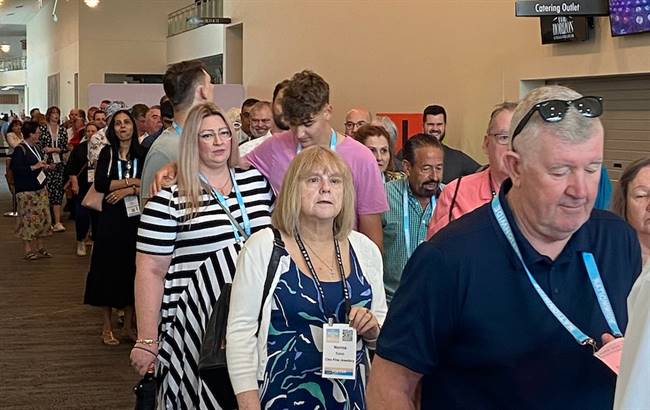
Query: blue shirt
x=467, y=318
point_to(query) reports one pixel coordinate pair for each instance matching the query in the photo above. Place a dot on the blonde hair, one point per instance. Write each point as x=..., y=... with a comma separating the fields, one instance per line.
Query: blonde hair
x=190, y=186
x=286, y=216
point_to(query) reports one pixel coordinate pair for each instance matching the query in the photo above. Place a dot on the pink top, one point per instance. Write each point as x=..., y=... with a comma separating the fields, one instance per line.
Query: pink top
x=474, y=191
x=273, y=156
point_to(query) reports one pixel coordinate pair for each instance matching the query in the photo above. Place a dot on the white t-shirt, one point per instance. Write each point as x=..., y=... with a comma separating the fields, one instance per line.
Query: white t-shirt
x=632, y=388
x=250, y=145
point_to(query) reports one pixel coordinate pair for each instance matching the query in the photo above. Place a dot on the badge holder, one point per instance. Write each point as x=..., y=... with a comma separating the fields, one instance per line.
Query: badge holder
x=41, y=177
x=91, y=176
x=610, y=354
x=339, y=351
x=56, y=158
x=132, y=206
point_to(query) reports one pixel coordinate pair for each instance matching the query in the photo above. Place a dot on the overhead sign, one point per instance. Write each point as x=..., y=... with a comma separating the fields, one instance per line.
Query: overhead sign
x=537, y=8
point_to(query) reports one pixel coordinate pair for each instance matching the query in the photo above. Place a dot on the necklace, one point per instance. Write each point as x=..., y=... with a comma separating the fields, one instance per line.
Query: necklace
x=329, y=267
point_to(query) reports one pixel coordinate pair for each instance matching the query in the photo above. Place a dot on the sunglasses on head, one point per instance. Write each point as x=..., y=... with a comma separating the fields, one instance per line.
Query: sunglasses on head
x=555, y=110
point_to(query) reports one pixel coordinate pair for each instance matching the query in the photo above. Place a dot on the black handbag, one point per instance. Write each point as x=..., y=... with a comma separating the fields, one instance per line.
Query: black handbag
x=212, y=360
x=145, y=393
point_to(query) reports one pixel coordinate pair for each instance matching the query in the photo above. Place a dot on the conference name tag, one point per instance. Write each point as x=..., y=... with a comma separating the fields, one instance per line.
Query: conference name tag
x=56, y=158
x=41, y=177
x=610, y=354
x=91, y=176
x=132, y=206
x=339, y=351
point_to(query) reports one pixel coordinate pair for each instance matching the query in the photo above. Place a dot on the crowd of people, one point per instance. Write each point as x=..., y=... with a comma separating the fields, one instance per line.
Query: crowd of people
x=359, y=275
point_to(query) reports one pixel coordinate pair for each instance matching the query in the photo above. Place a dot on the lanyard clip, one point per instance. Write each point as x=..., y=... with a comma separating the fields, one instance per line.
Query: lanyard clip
x=330, y=321
x=591, y=342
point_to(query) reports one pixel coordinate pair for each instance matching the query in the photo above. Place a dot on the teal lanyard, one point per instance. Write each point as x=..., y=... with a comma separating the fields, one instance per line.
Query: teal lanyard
x=177, y=128
x=407, y=219
x=592, y=271
x=332, y=143
x=240, y=201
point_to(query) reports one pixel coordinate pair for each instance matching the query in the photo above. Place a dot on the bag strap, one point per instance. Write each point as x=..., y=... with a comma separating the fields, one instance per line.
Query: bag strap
x=278, y=247
x=453, y=200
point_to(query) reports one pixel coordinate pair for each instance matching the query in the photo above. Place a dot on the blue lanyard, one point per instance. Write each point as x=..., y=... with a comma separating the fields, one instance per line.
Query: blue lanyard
x=592, y=271
x=240, y=201
x=332, y=143
x=177, y=128
x=407, y=219
x=135, y=169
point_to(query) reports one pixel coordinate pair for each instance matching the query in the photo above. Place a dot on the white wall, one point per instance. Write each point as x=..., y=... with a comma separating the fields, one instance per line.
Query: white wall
x=17, y=77
x=125, y=37
x=53, y=48
x=201, y=42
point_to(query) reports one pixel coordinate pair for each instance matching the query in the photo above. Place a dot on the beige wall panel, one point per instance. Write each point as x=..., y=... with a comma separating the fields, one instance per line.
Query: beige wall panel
x=123, y=36
x=399, y=56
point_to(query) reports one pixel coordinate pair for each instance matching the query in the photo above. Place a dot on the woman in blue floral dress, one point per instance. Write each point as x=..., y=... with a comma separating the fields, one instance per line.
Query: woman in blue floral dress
x=325, y=272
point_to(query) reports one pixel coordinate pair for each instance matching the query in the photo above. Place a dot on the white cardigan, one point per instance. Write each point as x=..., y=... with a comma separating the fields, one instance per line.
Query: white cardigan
x=247, y=354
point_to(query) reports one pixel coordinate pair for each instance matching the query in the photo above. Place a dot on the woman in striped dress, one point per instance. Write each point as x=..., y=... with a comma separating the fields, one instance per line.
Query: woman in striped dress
x=187, y=248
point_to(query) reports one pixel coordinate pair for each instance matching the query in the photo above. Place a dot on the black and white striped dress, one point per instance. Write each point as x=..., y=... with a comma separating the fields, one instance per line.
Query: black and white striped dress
x=204, y=252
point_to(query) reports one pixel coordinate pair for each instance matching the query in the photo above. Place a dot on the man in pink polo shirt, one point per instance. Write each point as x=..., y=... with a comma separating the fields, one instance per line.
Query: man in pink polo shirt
x=465, y=194
x=306, y=107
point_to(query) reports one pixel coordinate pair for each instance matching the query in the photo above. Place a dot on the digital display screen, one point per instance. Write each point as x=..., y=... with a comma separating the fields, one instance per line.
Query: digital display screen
x=629, y=16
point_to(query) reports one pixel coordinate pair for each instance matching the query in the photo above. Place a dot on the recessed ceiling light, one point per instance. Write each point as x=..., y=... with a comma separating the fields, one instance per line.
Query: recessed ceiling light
x=91, y=3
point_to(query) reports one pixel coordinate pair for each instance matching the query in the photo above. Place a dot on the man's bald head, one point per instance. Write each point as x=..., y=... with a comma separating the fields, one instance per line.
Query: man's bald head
x=355, y=118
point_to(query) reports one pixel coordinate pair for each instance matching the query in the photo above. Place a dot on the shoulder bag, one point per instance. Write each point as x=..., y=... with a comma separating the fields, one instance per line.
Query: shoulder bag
x=212, y=360
x=93, y=198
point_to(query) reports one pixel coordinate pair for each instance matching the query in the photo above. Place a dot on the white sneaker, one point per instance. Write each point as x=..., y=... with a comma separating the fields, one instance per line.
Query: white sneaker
x=58, y=227
x=81, y=249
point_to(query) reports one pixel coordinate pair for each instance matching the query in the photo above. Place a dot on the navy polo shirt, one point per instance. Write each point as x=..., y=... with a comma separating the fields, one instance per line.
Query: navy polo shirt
x=467, y=317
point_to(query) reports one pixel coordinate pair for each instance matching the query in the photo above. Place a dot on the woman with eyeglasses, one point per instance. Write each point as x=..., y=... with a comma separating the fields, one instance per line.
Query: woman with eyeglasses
x=112, y=266
x=189, y=238
x=632, y=202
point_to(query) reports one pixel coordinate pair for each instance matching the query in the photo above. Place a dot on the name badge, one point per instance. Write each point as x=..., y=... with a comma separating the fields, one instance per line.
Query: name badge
x=610, y=354
x=132, y=206
x=41, y=177
x=339, y=351
x=91, y=176
x=56, y=158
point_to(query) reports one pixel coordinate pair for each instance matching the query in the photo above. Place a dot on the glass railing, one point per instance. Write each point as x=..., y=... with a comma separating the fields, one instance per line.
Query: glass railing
x=188, y=18
x=13, y=64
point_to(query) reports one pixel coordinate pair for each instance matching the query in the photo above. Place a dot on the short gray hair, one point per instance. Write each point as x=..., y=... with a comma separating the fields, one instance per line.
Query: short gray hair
x=574, y=127
x=387, y=124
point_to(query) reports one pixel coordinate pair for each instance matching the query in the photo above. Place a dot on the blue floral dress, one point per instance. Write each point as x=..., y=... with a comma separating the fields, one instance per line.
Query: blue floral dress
x=292, y=378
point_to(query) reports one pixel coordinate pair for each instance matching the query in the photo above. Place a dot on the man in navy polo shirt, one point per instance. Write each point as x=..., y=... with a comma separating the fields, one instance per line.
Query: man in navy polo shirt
x=503, y=308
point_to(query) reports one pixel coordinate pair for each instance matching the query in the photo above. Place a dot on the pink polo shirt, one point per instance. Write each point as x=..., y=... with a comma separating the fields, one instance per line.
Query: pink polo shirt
x=272, y=159
x=474, y=191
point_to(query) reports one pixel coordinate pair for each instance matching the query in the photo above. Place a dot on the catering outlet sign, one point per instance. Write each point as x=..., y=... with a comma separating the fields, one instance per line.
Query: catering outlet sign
x=536, y=8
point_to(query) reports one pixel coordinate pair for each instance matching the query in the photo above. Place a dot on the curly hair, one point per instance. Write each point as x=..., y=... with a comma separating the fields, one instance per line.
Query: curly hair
x=306, y=95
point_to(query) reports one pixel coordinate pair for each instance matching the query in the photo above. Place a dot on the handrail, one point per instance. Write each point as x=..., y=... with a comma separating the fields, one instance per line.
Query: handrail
x=177, y=21
x=13, y=64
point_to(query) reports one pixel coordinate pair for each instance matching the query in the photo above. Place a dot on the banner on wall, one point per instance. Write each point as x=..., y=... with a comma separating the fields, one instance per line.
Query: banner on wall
x=537, y=8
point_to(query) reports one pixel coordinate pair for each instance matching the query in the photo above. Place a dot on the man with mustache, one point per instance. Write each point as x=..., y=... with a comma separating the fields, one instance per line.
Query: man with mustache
x=457, y=163
x=412, y=202
x=509, y=306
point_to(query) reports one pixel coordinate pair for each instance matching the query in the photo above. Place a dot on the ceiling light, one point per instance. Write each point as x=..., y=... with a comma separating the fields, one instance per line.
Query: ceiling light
x=91, y=3
x=5, y=48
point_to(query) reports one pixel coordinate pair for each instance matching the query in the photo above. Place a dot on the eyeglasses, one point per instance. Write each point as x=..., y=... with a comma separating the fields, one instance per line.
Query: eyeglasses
x=350, y=125
x=501, y=138
x=223, y=134
x=555, y=110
